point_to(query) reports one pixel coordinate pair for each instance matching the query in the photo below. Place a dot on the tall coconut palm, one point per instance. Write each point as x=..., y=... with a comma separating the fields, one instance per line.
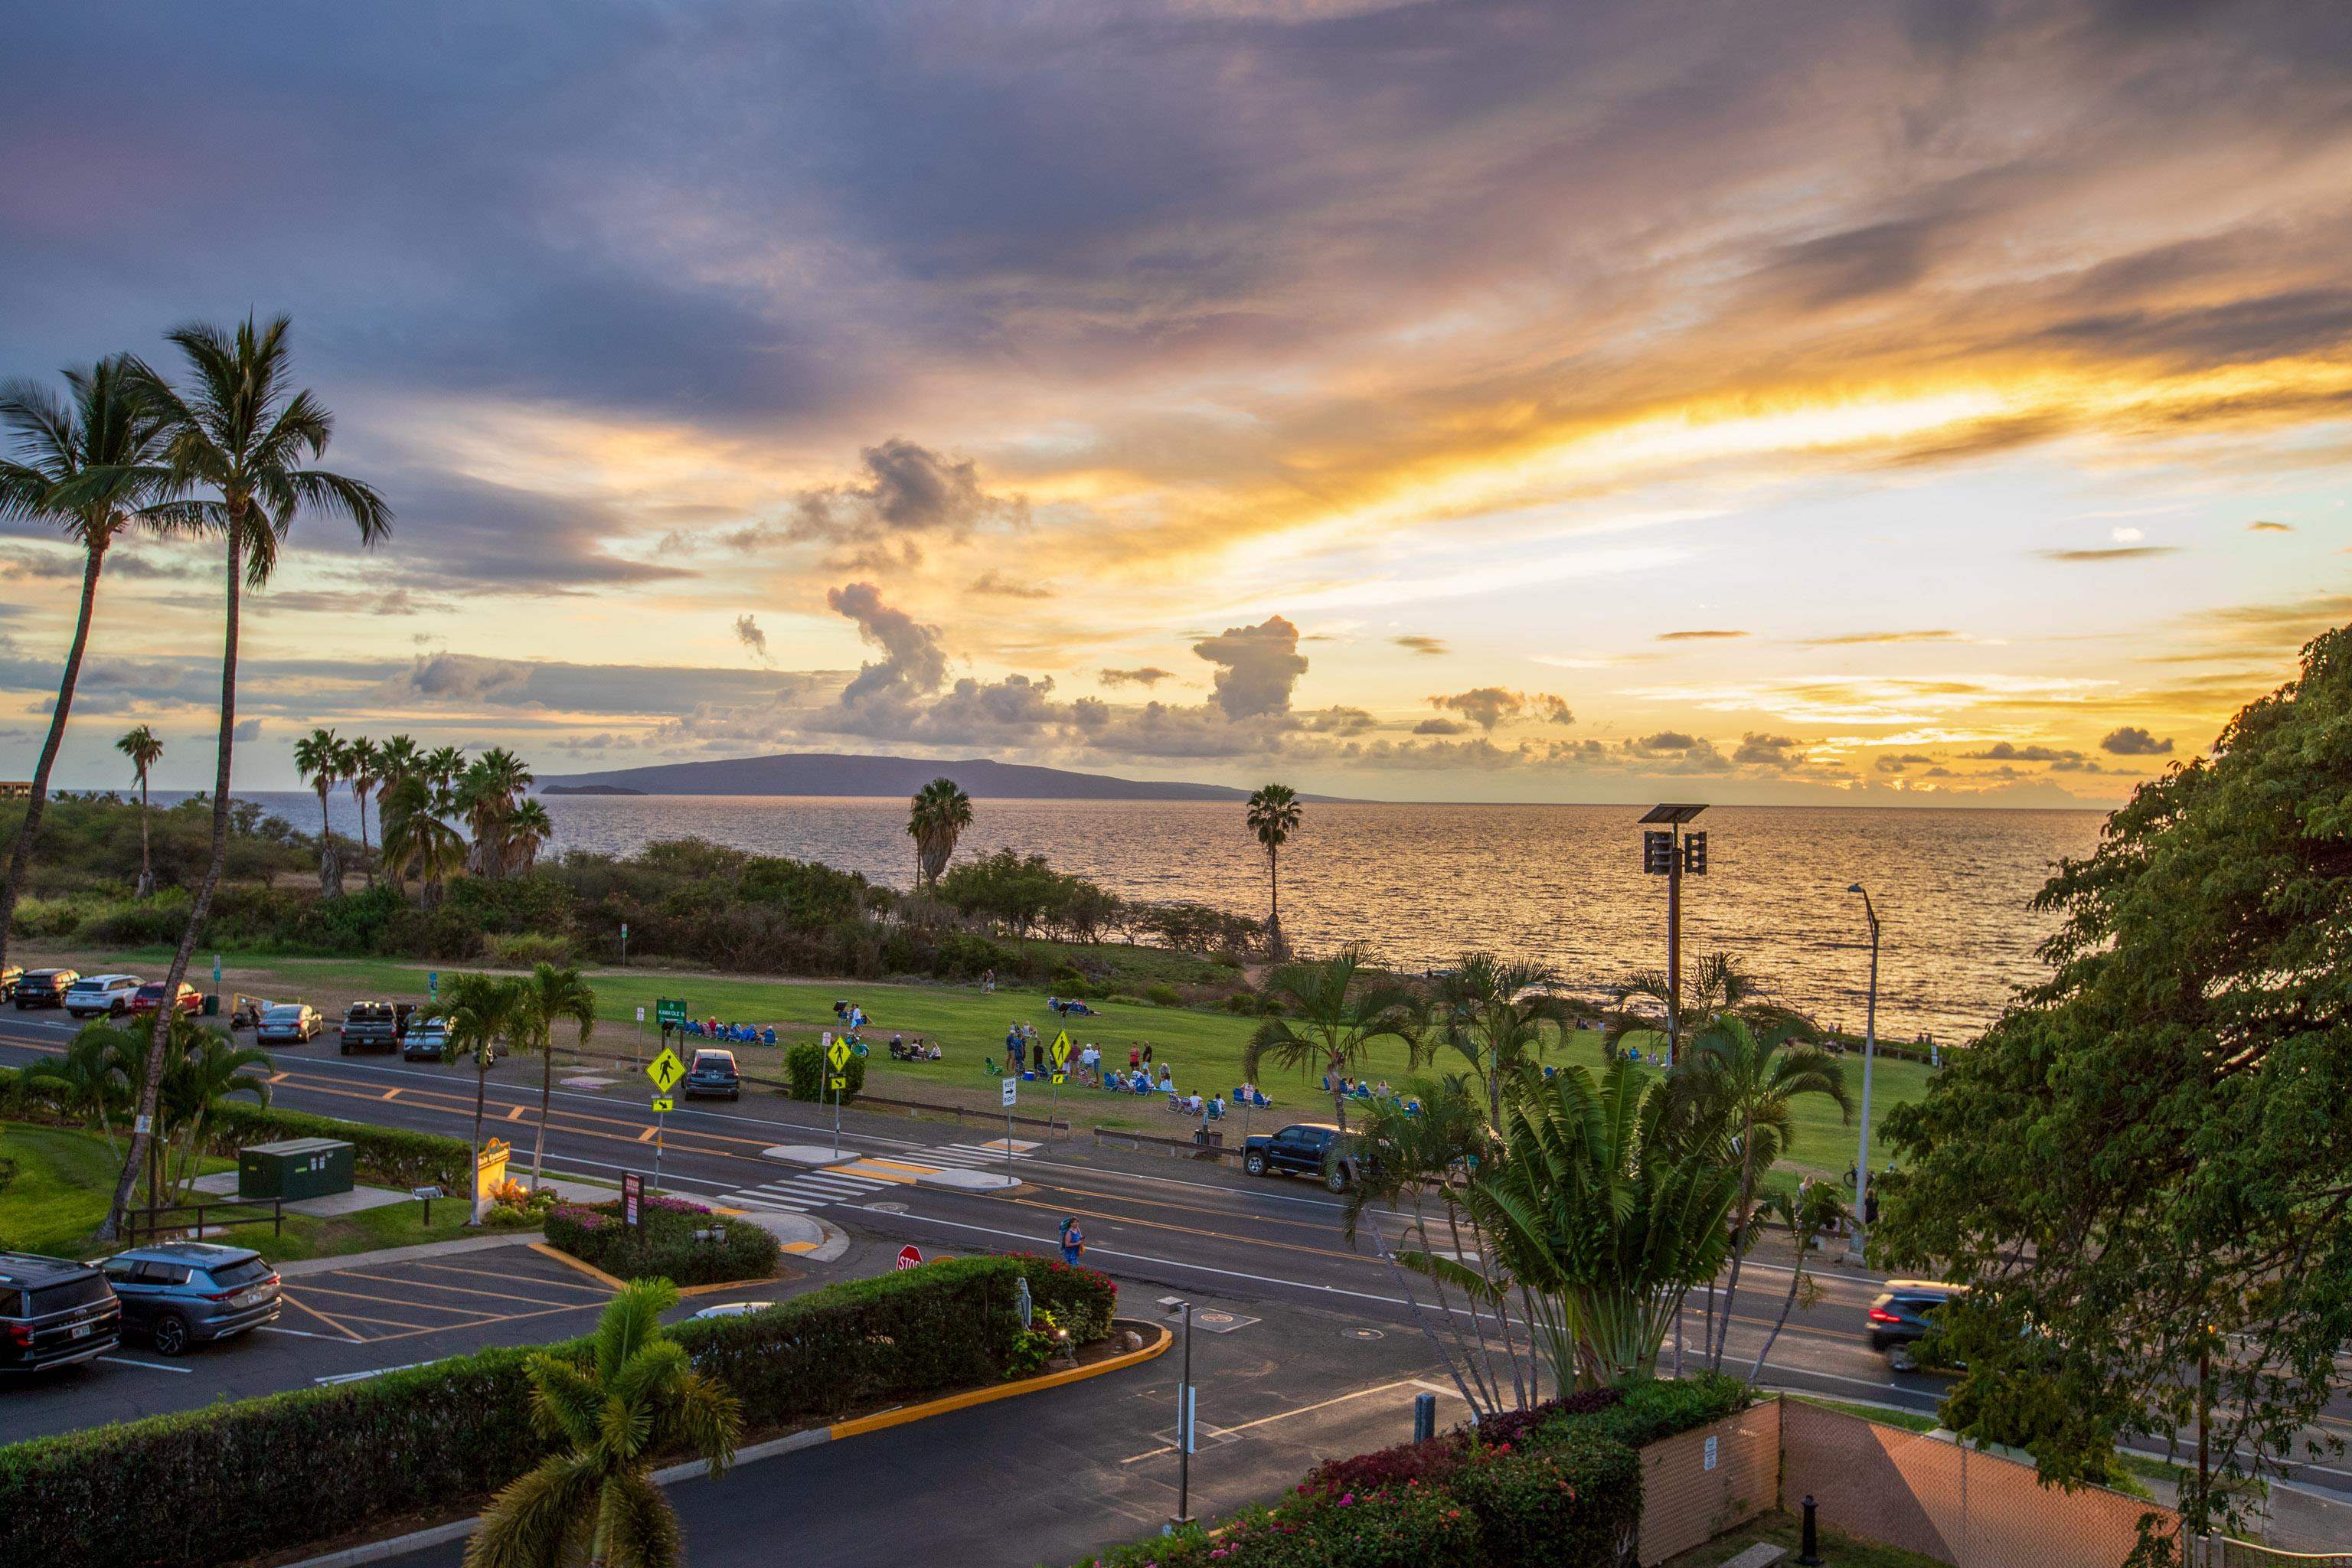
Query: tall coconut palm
x=363, y=766
x=592, y=1499
x=319, y=757
x=550, y=996
x=232, y=463
x=1273, y=816
x=102, y=444
x=144, y=748
x=481, y=1010
x=528, y=830
x=936, y=818
x=1499, y=1014
x=1748, y=1082
x=414, y=838
x=1334, y=1012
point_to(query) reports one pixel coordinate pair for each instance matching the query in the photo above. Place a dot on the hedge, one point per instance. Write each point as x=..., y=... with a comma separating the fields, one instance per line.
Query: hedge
x=272, y=1474
x=389, y=1156
x=664, y=1242
x=806, y=1067
x=1560, y=1484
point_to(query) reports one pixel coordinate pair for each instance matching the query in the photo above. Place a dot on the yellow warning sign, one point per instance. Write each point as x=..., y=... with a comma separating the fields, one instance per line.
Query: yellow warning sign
x=666, y=1069
x=839, y=1054
x=1062, y=1049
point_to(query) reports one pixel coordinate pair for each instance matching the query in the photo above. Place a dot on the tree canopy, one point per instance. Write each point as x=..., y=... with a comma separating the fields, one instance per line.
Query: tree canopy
x=2148, y=1157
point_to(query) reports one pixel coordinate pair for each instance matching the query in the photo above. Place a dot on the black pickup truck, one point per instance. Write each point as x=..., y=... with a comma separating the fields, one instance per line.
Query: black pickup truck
x=1303, y=1149
x=369, y=1026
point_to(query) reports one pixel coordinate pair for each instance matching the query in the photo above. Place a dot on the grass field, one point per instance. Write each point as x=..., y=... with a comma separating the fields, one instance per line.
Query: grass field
x=1203, y=1048
x=65, y=1179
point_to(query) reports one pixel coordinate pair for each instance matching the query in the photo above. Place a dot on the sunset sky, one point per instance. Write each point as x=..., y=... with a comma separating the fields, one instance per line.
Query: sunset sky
x=1774, y=403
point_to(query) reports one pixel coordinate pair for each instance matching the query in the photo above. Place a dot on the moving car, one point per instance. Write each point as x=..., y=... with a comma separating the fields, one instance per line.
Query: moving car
x=9, y=974
x=150, y=996
x=54, y=1312
x=425, y=1041
x=180, y=1293
x=1302, y=1149
x=95, y=994
x=713, y=1072
x=368, y=1026
x=287, y=1023
x=1902, y=1315
x=45, y=987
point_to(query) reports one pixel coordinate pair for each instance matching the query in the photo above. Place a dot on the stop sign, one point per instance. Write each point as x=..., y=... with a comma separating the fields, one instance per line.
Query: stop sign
x=908, y=1258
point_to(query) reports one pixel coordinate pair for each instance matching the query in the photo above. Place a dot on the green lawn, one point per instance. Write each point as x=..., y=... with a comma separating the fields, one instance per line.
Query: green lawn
x=65, y=1179
x=1202, y=1047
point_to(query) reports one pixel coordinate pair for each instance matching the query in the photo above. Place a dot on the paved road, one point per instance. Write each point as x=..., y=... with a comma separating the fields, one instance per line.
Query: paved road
x=1158, y=1224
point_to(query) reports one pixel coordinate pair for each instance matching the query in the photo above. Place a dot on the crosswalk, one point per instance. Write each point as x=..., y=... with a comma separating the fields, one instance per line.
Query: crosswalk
x=858, y=1178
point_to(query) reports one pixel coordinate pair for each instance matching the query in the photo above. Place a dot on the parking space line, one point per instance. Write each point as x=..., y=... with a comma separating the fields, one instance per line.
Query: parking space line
x=398, y=1323
x=398, y=1301
x=287, y=1295
x=460, y=1289
x=582, y=1264
x=532, y=1279
x=445, y=1328
x=150, y=1365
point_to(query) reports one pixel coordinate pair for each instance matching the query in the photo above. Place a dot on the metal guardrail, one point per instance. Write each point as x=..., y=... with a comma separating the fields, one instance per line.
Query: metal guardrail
x=143, y=1225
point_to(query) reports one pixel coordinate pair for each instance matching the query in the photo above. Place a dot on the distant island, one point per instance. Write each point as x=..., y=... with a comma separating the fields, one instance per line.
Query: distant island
x=840, y=773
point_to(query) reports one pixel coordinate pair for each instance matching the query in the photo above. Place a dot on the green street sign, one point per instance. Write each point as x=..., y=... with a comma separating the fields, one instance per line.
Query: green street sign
x=669, y=1011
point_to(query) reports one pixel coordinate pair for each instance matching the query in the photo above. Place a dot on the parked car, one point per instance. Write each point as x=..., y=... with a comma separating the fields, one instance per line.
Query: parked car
x=54, y=1312
x=713, y=1073
x=150, y=996
x=1303, y=1149
x=368, y=1026
x=426, y=1040
x=1902, y=1315
x=108, y=994
x=287, y=1023
x=181, y=1293
x=45, y=987
x=9, y=974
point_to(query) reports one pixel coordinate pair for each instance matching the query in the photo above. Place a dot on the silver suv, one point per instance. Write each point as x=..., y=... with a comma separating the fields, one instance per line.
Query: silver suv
x=180, y=1293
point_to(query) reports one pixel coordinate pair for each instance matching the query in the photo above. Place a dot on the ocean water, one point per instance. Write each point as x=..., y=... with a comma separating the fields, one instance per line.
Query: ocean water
x=1423, y=883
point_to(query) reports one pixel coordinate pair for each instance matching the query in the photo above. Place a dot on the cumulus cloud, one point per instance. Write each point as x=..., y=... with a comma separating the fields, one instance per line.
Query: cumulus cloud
x=996, y=584
x=247, y=730
x=1889, y=763
x=1440, y=727
x=1488, y=706
x=1257, y=667
x=912, y=659
x=1148, y=676
x=748, y=633
x=2133, y=741
x=910, y=495
x=1756, y=750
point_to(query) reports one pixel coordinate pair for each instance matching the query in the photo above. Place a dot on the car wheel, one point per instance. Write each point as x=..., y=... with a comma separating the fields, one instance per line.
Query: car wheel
x=171, y=1335
x=1337, y=1179
x=1254, y=1163
x=1900, y=1359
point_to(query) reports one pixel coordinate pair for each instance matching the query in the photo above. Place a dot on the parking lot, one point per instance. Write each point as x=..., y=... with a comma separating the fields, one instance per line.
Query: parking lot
x=480, y=1295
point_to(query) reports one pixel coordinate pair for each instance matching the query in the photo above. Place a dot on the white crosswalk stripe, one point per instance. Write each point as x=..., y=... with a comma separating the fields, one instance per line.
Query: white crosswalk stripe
x=970, y=1154
x=798, y=1194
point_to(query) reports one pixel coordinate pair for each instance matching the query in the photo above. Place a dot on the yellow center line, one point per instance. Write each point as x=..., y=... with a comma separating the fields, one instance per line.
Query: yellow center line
x=516, y=1114
x=1177, y=1204
x=647, y=1135
x=389, y=1094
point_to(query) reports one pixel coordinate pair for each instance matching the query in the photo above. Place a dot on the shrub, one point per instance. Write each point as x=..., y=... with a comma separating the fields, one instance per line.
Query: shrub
x=1164, y=995
x=138, y=922
x=1242, y=1002
x=1385, y=1469
x=664, y=1242
x=1578, y=1502
x=808, y=1069
x=268, y=1476
x=386, y=1155
x=1513, y=1426
x=525, y=948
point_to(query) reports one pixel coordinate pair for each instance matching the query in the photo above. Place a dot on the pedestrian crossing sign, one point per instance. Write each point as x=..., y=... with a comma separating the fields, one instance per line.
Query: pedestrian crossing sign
x=839, y=1054
x=662, y=1104
x=840, y=1081
x=666, y=1069
x=1062, y=1049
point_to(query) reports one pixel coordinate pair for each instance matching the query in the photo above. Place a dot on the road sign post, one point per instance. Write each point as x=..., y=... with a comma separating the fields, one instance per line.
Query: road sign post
x=1011, y=1093
x=665, y=1069
x=837, y=1056
x=1061, y=1071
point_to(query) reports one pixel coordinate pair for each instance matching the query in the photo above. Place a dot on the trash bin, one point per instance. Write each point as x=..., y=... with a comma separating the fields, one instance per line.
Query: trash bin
x=295, y=1168
x=212, y=1006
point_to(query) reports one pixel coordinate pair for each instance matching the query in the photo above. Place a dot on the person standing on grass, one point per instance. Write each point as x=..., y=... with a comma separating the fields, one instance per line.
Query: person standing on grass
x=1074, y=1240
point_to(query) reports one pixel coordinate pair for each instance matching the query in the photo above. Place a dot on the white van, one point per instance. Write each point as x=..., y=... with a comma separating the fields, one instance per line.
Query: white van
x=107, y=994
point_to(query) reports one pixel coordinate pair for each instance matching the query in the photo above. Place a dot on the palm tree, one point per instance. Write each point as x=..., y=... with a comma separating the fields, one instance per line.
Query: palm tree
x=1815, y=1209
x=1747, y=1082
x=1720, y=983
x=232, y=466
x=1330, y=1021
x=1500, y=1013
x=481, y=1010
x=87, y=1081
x=640, y=1400
x=106, y=430
x=528, y=831
x=551, y=996
x=414, y=837
x=1273, y=816
x=319, y=757
x=206, y=1070
x=936, y=818
x=487, y=795
x=144, y=748
x=363, y=764
x=398, y=759
x=442, y=765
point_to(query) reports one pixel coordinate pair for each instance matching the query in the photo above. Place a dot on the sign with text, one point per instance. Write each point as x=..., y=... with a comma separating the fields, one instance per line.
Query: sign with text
x=633, y=1196
x=909, y=1257
x=1012, y=1091
x=671, y=1010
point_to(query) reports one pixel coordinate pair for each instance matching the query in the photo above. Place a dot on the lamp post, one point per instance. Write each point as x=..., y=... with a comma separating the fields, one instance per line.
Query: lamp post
x=1869, y=1051
x=1669, y=854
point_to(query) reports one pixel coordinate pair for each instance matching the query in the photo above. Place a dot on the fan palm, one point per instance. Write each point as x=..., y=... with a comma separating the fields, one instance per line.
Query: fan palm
x=550, y=997
x=1334, y=1012
x=528, y=831
x=415, y=839
x=1748, y=1081
x=319, y=757
x=638, y=1399
x=481, y=1010
x=1499, y=1014
x=106, y=436
x=144, y=748
x=1273, y=816
x=397, y=760
x=1719, y=984
x=936, y=818
x=363, y=766
x=231, y=465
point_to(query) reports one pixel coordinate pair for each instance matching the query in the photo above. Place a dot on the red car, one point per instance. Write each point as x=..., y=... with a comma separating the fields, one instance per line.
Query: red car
x=151, y=996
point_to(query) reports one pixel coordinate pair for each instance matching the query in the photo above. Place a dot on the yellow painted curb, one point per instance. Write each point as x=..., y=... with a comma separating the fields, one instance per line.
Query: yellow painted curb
x=969, y=1397
x=589, y=1269
x=726, y=1285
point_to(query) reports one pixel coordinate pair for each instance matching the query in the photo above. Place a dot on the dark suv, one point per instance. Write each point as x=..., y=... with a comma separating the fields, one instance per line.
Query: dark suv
x=713, y=1072
x=1303, y=1149
x=54, y=1312
x=180, y=1293
x=1902, y=1315
x=45, y=987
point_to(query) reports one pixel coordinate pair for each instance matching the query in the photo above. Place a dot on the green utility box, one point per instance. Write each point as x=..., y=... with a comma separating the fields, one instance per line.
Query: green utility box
x=296, y=1168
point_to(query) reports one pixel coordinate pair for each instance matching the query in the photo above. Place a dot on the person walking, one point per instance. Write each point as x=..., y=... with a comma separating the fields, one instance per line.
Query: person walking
x=1074, y=1240
x=1147, y=1053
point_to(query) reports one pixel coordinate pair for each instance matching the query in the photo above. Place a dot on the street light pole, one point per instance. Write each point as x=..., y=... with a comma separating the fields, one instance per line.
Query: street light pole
x=1869, y=1052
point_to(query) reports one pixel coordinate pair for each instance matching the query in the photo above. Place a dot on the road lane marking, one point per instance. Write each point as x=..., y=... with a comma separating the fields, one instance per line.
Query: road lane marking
x=1191, y=1230
x=1305, y=1410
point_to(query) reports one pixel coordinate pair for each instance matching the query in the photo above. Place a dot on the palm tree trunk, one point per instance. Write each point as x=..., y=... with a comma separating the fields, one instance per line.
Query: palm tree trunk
x=546, y=1101
x=331, y=865
x=142, y=1125
x=146, y=862
x=1796, y=1277
x=360, y=795
x=22, y=857
x=1740, y=1244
